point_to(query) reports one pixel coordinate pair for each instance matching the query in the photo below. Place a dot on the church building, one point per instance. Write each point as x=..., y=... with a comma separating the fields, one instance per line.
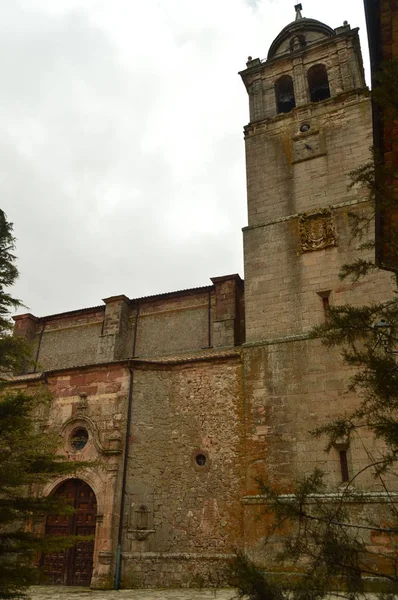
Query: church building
x=184, y=399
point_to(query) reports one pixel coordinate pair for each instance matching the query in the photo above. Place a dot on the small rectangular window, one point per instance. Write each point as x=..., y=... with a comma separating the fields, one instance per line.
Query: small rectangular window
x=344, y=466
x=325, y=296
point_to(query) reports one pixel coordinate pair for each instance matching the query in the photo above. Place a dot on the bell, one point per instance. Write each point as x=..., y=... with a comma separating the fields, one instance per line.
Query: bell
x=286, y=102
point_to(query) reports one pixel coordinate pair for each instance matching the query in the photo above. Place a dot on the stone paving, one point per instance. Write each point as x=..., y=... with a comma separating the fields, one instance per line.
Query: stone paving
x=73, y=593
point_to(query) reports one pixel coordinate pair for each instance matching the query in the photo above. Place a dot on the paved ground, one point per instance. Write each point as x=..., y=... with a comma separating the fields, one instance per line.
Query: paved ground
x=71, y=593
x=75, y=593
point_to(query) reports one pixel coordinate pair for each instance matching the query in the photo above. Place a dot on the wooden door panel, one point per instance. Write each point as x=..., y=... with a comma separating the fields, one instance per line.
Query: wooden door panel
x=83, y=562
x=75, y=565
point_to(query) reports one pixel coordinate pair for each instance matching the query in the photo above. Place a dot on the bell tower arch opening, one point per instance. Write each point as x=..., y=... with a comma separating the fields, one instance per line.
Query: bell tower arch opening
x=73, y=566
x=318, y=83
x=284, y=91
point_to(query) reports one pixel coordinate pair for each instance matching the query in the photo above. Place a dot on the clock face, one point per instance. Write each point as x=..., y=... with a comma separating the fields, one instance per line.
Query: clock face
x=306, y=147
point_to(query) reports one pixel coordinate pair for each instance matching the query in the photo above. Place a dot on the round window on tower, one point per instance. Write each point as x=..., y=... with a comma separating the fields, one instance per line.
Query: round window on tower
x=305, y=127
x=79, y=439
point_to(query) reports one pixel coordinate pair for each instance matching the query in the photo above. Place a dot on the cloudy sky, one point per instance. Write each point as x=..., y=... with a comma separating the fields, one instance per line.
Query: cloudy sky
x=122, y=155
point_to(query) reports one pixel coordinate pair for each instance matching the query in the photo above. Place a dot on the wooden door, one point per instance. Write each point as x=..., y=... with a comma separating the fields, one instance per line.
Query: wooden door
x=73, y=566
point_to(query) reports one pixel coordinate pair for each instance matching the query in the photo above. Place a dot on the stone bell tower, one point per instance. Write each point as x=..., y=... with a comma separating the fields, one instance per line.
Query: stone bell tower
x=310, y=126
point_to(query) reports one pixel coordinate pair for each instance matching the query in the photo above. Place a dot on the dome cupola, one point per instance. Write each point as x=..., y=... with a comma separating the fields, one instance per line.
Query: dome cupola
x=298, y=35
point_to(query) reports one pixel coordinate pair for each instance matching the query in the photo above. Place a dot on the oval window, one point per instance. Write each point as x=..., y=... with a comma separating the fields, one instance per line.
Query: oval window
x=79, y=438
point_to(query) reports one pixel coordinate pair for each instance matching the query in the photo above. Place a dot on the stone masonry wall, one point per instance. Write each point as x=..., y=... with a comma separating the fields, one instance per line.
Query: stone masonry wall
x=186, y=321
x=182, y=520
x=282, y=280
x=68, y=346
x=285, y=285
x=373, y=508
x=193, y=512
x=172, y=325
x=61, y=341
x=292, y=388
x=297, y=240
x=94, y=399
x=289, y=172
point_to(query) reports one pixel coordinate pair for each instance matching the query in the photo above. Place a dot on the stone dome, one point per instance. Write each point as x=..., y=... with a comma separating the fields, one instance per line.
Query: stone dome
x=297, y=35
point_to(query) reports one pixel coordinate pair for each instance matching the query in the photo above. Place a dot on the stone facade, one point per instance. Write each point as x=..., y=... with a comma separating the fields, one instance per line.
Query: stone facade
x=175, y=359
x=188, y=397
x=297, y=239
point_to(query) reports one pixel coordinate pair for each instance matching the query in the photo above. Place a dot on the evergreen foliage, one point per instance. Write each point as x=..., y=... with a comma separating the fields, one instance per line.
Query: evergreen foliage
x=13, y=350
x=28, y=453
x=328, y=543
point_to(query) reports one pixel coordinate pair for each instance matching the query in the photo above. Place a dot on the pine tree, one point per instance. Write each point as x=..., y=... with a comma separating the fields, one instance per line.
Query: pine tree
x=28, y=455
x=327, y=541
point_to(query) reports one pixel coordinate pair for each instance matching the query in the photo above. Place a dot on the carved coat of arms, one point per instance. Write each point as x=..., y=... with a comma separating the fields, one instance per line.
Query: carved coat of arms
x=316, y=230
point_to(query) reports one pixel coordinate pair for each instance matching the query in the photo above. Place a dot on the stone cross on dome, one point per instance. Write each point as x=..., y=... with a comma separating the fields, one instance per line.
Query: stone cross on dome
x=298, y=8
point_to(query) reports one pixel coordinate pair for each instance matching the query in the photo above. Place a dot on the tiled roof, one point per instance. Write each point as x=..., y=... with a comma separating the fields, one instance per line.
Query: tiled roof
x=25, y=377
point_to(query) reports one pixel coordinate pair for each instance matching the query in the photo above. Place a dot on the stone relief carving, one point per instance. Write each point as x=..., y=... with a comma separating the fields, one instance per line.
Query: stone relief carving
x=113, y=440
x=140, y=517
x=316, y=230
x=82, y=406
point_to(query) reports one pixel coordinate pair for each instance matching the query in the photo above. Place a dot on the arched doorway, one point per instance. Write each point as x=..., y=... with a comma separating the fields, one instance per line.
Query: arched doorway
x=73, y=566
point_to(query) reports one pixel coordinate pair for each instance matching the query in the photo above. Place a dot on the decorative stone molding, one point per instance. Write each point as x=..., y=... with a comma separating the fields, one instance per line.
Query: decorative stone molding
x=140, y=517
x=114, y=442
x=105, y=558
x=357, y=497
x=82, y=407
x=112, y=467
x=341, y=443
x=141, y=534
x=316, y=230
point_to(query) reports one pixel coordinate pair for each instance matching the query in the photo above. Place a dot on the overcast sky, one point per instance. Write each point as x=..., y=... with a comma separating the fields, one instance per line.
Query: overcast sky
x=122, y=154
